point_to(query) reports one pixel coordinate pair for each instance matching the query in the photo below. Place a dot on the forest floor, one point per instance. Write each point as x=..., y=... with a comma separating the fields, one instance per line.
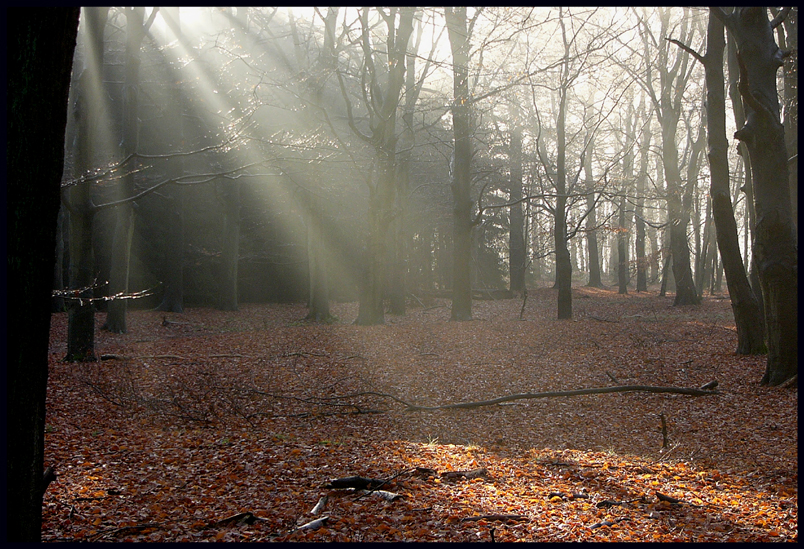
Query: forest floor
x=229, y=426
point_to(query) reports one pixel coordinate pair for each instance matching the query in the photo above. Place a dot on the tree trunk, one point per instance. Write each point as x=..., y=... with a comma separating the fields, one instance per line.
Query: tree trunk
x=124, y=226
x=461, y=176
x=516, y=238
x=89, y=111
x=381, y=201
x=591, y=219
x=788, y=40
x=173, y=298
x=40, y=44
x=563, y=260
x=230, y=254
x=775, y=244
x=644, y=149
x=622, y=249
x=748, y=186
x=679, y=219
x=747, y=313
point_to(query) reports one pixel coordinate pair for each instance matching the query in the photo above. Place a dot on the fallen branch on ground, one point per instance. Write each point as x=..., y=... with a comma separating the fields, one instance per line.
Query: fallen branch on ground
x=577, y=392
x=495, y=517
x=474, y=473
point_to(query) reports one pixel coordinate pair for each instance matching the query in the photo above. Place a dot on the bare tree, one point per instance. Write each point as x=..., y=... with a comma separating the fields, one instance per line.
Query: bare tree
x=136, y=29
x=459, y=30
x=88, y=115
x=747, y=313
x=674, y=73
x=381, y=103
x=775, y=244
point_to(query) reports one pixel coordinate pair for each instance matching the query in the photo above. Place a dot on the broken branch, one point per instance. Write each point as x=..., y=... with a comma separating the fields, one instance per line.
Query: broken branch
x=577, y=392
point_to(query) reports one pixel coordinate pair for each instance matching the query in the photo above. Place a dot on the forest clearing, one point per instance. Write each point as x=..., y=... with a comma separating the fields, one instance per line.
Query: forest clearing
x=232, y=426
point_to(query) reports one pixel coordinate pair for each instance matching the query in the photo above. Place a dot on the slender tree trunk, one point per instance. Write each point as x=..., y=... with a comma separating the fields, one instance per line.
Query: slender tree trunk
x=775, y=244
x=622, y=249
x=230, y=256
x=679, y=220
x=40, y=44
x=173, y=298
x=124, y=225
x=89, y=114
x=591, y=243
x=461, y=177
x=747, y=313
x=516, y=238
x=563, y=261
x=591, y=219
x=644, y=149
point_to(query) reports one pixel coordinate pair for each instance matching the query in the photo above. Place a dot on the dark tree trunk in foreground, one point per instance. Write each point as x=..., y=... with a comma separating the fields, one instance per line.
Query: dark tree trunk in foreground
x=775, y=243
x=747, y=313
x=40, y=46
x=461, y=176
x=748, y=185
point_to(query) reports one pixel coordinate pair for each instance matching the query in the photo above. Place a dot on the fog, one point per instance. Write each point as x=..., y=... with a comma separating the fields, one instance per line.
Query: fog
x=279, y=154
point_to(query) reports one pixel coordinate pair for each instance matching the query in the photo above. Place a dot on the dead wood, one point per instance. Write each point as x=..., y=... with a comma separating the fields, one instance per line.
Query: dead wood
x=577, y=392
x=474, y=473
x=239, y=518
x=322, y=501
x=313, y=524
x=384, y=494
x=495, y=517
x=356, y=482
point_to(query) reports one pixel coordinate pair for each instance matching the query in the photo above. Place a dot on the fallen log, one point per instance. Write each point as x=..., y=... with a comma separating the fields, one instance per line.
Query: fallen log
x=474, y=473
x=577, y=392
x=356, y=482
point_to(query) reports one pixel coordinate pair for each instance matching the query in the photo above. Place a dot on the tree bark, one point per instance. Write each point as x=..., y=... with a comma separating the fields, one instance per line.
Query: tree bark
x=563, y=260
x=516, y=238
x=383, y=136
x=747, y=313
x=642, y=261
x=775, y=244
x=461, y=176
x=230, y=255
x=173, y=297
x=748, y=185
x=89, y=111
x=622, y=249
x=40, y=44
x=124, y=225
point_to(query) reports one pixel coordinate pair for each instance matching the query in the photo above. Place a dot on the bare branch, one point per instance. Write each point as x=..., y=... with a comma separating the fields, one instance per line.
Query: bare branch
x=688, y=49
x=779, y=19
